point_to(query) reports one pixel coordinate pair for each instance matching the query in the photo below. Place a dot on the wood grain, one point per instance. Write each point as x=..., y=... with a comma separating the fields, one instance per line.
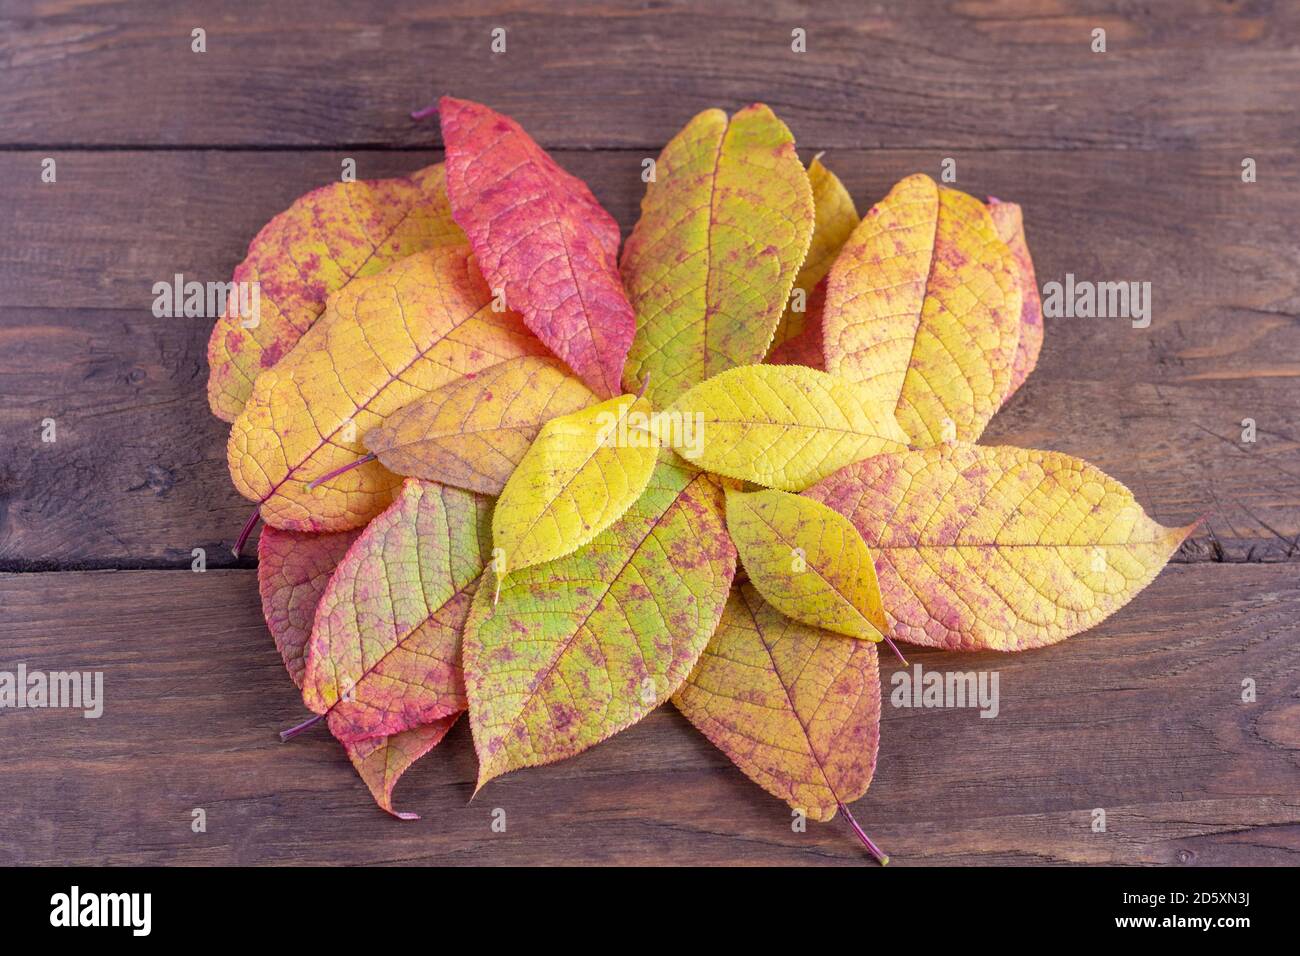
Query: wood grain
x=1141, y=717
x=943, y=73
x=137, y=477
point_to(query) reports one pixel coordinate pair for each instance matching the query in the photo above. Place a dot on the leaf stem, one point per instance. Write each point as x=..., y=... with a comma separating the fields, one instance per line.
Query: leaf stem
x=363, y=460
x=294, y=731
x=881, y=857
x=244, y=532
x=894, y=647
x=430, y=110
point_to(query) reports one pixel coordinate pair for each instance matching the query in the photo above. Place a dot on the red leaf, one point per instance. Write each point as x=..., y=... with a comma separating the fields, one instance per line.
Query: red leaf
x=292, y=570
x=541, y=236
x=805, y=348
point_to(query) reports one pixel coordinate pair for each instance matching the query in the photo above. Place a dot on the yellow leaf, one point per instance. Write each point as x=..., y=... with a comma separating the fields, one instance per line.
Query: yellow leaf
x=724, y=227
x=384, y=341
x=836, y=218
x=998, y=548
x=473, y=432
x=577, y=478
x=313, y=249
x=808, y=561
x=795, y=707
x=923, y=311
x=783, y=426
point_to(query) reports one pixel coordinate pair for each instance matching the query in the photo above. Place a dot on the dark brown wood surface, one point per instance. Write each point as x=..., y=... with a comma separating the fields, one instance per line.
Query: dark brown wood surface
x=1128, y=164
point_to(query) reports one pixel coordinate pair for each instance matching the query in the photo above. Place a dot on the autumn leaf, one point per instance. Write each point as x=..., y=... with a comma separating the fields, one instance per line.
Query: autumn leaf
x=542, y=238
x=614, y=558
x=807, y=561
x=923, y=311
x=381, y=761
x=292, y=571
x=310, y=251
x=782, y=426
x=796, y=708
x=474, y=431
x=835, y=219
x=580, y=648
x=1009, y=222
x=384, y=341
x=577, y=478
x=384, y=655
x=724, y=227
x=998, y=548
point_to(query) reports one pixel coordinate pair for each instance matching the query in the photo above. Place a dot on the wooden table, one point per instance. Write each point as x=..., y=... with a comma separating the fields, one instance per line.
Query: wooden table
x=1129, y=165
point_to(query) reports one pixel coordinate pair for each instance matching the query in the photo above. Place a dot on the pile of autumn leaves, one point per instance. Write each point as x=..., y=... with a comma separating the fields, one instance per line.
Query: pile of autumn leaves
x=503, y=470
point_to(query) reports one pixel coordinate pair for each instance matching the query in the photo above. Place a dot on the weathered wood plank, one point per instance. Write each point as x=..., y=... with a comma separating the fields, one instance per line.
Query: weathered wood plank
x=625, y=74
x=137, y=477
x=1141, y=717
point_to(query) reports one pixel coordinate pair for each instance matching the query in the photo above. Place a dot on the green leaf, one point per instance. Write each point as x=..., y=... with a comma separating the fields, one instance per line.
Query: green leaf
x=724, y=228
x=580, y=648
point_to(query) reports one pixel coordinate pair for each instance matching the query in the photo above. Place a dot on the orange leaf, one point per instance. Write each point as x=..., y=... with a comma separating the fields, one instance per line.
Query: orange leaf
x=310, y=251
x=541, y=236
x=997, y=548
x=794, y=707
x=473, y=432
x=383, y=342
x=923, y=311
x=1010, y=224
x=381, y=761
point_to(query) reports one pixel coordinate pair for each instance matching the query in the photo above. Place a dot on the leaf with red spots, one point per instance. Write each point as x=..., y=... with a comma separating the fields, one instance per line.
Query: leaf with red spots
x=384, y=654
x=383, y=342
x=293, y=569
x=1010, y=224
x=795, y=707
x=923, y=311
x=724, y=228
x=542, y=238
x=473, y=432
x=997, y=548
x=579, y=648
x=311, y=250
